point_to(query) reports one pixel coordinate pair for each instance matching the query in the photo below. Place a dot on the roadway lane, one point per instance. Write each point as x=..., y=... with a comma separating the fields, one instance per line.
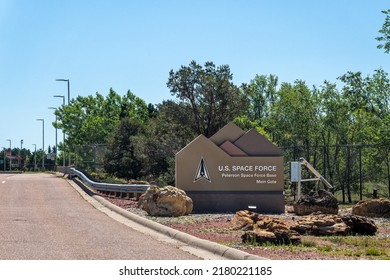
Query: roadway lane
x=43, y=217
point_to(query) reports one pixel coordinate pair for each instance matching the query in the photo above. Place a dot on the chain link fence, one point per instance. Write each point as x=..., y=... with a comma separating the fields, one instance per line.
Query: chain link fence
x=356, y=171
x=90, y=158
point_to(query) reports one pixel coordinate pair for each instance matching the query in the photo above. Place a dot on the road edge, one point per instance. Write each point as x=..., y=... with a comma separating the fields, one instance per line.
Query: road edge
x=212, y=247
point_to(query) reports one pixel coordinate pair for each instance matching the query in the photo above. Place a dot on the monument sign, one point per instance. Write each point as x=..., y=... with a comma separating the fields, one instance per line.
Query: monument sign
x=232, y=170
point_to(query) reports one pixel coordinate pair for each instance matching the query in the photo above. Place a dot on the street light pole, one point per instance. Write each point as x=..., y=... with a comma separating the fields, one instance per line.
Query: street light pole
x=63, y=133
x=4, y=158
x=20, y=154
x=55, y=161
x=43, y=142
x=35, y=157
x=10, y=154
x=65, y=80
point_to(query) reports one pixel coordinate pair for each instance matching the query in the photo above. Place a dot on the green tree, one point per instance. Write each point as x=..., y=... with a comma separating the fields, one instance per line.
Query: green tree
x=384, y=37
x=293, y=120
x=366, y=99
x=120, y=160
x=261, y=92
x=91, y=119
x=166, y=134
x=210, y=92
x=333, y=129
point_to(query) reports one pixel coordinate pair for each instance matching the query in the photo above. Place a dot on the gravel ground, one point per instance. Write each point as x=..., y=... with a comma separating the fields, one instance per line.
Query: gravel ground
x=217, y=228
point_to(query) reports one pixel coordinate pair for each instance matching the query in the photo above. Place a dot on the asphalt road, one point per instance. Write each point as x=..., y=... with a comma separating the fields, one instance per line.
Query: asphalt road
x=43, y=218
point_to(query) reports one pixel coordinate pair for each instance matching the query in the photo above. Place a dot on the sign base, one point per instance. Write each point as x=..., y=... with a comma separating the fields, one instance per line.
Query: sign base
x=233, y=201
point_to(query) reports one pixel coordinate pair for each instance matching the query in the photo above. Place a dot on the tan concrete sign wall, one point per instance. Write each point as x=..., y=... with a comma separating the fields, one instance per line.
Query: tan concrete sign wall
x=231, y=163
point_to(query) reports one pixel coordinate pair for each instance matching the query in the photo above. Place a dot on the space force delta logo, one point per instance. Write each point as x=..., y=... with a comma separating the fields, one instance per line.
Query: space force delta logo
x=202, y=172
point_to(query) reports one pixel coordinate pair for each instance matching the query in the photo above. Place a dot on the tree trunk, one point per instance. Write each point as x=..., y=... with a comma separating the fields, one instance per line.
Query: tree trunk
x=349, y=175
x=388, y=174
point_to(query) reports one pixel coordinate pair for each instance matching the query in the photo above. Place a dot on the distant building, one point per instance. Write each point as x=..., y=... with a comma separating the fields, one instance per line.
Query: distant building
x=16, y=161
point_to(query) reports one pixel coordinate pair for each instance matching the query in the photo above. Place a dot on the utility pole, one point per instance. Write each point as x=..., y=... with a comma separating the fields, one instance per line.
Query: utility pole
x=20, y=154
x=35, y=157
x=63, y=133
x=43, y=142
x=10, y=154
x=68, y=82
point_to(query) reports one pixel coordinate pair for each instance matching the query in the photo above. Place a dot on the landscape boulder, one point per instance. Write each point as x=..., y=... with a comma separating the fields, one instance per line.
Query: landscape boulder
x=261, y=229
x=330, y=224
x=321, y=225
x=166, y=201
x=376, y=208
x=319, y=202
x=244, y=220
x=360, y=225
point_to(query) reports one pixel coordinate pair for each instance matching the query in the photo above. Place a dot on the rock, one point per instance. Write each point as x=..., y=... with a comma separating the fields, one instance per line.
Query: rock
x=271, y=224
x=244, y=220
x=321, y=224
x=360, y=225
x=168, y=201
x=322, y=201
x=378, y=208
x=330, y=224
x=261, y=229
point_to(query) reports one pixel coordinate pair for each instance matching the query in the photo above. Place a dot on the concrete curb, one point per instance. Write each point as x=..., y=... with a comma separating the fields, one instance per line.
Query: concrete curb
x=212, y=247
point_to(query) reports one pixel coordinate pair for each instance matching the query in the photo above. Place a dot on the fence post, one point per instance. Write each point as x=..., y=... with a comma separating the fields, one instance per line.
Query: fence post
x=349, y=175
x=324, y=160
x=360, y=173
x=94, y=158
x=375, y=193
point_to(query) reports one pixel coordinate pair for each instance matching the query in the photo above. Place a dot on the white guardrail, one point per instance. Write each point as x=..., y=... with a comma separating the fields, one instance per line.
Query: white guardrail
x=122, y=188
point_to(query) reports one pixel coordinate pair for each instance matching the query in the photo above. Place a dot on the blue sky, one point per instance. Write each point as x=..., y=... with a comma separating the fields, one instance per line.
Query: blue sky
x=134, y=44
